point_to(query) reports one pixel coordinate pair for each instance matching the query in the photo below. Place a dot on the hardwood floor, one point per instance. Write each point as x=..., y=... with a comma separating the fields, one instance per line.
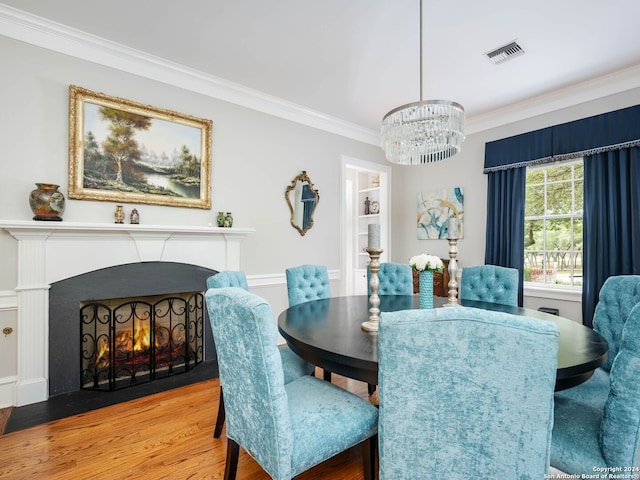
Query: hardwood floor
x=166, y=435
x=4, y=417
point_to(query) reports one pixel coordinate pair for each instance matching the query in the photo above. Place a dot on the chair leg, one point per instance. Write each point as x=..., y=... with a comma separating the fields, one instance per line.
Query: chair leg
x=231, y=464
x=369, y=457
x=220, y=418
x=371, y=388
x=327, y=376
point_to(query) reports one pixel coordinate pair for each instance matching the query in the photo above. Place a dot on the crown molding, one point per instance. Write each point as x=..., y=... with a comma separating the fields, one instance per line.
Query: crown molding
x=574, y=94
x=54, y=36
x=38, y=31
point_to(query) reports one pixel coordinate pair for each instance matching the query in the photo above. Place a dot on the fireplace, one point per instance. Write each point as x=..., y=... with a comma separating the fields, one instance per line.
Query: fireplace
x=101, y=326
x=128, y=341
x=49, y=252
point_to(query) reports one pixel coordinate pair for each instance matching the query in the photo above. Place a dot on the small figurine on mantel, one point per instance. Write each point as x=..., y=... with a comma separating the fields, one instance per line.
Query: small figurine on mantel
x=134, y=218
x=367, y=205
x=119, y=214
x=228, y=220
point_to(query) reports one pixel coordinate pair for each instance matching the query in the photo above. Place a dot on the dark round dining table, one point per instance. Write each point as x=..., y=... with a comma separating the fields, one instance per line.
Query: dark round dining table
x=328, y=334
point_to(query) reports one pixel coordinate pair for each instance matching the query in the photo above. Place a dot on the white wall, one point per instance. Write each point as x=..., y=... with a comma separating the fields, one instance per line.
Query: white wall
x=254, y=158
x=8, y=347
x=465, y=170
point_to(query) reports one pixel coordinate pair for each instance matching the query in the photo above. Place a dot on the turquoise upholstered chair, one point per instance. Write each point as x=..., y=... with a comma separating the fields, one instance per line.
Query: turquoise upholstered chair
x=306, y=283
x=618, y=296
x=465, y=393
x=292, y=365
x=395, y=279
x=228, y=278
x=287, y=428
x=490, y=283
x=602, y=431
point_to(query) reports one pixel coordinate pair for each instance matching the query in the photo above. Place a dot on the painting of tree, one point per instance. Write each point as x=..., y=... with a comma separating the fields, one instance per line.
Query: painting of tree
x=131, y=152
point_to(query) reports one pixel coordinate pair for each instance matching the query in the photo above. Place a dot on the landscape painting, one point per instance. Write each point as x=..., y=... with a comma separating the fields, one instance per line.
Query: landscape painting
x=126, y=152
x=434, y=211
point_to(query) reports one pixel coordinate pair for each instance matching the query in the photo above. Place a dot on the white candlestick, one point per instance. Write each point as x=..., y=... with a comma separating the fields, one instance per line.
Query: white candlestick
x=452, y=228
x=373, y=235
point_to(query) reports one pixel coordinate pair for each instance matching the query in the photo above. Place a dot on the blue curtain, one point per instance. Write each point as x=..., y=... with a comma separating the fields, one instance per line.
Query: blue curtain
x=505, y=220
x=611, y=235
x=608, y=131
x=609, y=143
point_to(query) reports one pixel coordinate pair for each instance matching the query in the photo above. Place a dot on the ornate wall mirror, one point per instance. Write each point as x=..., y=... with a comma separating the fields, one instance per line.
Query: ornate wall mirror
x=302, y=199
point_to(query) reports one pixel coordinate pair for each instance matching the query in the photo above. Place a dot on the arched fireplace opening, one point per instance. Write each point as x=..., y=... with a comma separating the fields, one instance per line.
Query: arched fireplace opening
x=160, y=303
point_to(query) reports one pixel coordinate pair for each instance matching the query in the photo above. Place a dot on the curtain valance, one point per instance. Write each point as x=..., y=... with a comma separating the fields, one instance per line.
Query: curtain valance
x=600, y=133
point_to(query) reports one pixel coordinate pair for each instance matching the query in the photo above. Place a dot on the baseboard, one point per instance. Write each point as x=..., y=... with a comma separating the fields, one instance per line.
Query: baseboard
x=275, y=279
x=8, y=391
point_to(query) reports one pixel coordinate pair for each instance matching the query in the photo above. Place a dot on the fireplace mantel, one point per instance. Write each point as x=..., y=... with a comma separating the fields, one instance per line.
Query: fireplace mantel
x=52, y=251
x=79, y=228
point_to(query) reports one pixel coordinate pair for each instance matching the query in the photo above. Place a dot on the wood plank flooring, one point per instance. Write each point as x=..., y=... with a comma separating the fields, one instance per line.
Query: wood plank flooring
x=4, y=417
x=167, y=435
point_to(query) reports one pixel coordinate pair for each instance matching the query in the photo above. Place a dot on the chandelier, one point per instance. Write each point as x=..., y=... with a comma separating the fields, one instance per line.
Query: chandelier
x=423, y=132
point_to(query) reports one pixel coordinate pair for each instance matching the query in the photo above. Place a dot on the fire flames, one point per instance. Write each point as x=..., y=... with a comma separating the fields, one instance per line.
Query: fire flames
x=127, y=342
x=137, y=342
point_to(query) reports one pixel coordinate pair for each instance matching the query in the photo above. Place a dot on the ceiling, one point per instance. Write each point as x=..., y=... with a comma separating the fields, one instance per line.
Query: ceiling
x=357, y=59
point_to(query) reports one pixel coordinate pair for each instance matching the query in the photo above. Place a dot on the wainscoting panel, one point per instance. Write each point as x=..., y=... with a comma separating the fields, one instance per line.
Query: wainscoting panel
x=8, y=347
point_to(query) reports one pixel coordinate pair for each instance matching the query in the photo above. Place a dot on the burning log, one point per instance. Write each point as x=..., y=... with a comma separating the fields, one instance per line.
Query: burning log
x=130, y=352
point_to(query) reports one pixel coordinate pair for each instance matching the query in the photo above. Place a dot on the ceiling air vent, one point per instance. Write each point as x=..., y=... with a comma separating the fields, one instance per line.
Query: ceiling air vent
x=504, y=53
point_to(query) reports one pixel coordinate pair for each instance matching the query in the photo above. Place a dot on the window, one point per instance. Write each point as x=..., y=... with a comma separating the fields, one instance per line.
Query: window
x=553, y=224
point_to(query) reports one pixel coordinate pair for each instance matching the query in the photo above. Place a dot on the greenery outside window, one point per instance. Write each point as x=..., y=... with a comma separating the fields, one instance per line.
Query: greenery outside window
x=553, y=224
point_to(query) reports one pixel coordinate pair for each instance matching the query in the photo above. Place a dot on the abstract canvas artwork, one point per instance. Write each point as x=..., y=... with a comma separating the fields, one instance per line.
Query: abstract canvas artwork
x=435, y=208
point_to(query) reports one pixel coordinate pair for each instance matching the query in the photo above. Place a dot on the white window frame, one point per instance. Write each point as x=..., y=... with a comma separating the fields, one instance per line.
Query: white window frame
x=568, y=292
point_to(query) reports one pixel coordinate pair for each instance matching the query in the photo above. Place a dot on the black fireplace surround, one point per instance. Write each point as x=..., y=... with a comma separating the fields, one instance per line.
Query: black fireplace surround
x=121, y=281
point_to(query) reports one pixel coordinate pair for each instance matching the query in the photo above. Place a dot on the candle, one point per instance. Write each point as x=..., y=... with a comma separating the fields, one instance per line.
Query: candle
x=452, y=228
x=374, y=235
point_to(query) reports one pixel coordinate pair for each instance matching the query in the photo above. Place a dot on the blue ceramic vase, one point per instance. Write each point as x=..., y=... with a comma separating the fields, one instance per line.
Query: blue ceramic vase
x=426, y=289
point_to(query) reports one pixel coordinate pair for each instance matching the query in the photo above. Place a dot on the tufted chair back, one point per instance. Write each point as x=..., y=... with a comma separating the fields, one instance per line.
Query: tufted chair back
x=251, y=375
x=306, y=283
x=620, y=428
x=395, y=279
x=484, y=411
x=618, y=296
x=286, y=427
x=292, y=365
x=228, y=278
x=603, y=431
x=490, y=283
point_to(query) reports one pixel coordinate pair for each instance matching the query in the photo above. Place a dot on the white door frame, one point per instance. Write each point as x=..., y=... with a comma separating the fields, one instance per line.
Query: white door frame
x=347, y=216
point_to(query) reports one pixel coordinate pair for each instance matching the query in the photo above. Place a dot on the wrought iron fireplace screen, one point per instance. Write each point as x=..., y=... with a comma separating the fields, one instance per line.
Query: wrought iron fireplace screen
x=125, y=342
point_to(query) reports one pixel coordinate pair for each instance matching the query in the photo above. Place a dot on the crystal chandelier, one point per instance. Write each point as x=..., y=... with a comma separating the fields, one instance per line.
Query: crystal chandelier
x=425, y=131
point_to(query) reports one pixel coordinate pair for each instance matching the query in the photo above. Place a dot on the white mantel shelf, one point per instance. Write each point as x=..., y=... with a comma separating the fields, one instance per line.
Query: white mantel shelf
x=77, y=227
x=136, y=243
x=52, y=251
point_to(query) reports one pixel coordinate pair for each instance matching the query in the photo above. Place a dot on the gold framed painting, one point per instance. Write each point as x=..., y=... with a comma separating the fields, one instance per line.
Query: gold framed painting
x=123, y=151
